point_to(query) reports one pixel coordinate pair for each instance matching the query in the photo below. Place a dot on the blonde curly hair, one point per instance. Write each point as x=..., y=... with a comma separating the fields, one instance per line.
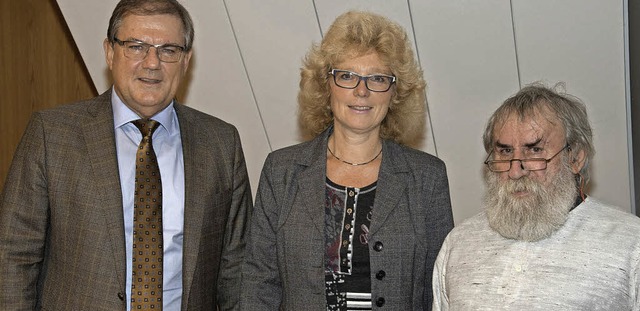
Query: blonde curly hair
x=354, y=34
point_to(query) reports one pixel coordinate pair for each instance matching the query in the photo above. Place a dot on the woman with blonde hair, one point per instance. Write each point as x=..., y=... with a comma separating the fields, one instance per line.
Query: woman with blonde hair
x=354, y=218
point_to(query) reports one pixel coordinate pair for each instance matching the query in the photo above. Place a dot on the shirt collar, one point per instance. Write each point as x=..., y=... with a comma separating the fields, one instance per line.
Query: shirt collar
x=123, y=114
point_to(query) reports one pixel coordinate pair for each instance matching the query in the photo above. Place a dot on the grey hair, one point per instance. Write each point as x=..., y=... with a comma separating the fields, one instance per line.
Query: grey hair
x=570, y=110
x=151, y=7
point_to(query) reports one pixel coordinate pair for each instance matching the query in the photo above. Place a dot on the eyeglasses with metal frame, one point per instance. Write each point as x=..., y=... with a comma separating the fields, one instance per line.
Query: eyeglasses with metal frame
x=138, y=50
x=350, y=80
x=531, y=164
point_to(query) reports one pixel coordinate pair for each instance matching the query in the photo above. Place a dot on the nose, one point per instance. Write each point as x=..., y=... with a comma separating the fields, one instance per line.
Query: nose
x=516, y=171
x=362, y=90
x=151, y=60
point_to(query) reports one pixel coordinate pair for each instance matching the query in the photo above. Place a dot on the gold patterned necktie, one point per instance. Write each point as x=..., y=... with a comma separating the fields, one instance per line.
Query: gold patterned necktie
x=146, y=281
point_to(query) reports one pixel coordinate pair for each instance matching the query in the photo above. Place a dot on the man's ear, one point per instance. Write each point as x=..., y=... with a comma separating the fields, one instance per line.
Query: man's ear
x=108, y=52
x=577, y=161
x=186, y=59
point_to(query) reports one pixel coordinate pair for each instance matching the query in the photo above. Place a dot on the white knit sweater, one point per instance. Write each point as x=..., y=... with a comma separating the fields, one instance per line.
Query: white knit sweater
x=591, y=263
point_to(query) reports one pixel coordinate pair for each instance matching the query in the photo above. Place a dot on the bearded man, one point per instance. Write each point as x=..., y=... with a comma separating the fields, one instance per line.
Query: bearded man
x=541, y=243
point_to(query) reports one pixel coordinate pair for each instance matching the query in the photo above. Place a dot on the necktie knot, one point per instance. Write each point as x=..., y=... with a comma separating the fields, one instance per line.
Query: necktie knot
x=146, y=126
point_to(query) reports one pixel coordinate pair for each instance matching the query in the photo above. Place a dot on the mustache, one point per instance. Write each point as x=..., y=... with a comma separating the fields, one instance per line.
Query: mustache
x=523, y=184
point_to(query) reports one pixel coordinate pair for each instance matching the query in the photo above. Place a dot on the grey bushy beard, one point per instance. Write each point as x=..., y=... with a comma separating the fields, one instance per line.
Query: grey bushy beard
x=533, y=217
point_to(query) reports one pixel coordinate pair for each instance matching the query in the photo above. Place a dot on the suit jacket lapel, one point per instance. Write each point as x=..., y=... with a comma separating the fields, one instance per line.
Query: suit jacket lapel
x=390, y=186
x=99, y=136
x=311, y=182
x=193, y=209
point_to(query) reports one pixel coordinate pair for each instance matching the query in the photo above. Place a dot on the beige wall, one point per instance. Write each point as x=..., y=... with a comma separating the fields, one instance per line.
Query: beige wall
x=40, y=67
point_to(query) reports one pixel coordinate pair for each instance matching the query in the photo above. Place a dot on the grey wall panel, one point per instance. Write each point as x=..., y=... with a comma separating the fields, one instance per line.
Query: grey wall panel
x=581, y=42
x=273, y=42
x=469, y=61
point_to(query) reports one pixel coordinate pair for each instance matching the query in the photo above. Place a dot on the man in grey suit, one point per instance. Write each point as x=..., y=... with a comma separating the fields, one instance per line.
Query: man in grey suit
x=67, y=210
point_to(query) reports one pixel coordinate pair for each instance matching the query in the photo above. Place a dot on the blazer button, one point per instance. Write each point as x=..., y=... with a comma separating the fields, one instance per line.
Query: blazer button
x=380, y=275
x=380, y=302
x=121, y=296
x=378, y=246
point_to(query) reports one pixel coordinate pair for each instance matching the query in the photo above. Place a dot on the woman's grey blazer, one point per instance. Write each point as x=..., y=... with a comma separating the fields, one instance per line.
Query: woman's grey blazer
x=284, y=267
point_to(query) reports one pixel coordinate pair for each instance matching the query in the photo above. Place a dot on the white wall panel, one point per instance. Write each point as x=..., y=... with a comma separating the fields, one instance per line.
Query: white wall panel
x=88, y=22
x=581, y=42
x=396, y=10
x=467, y=53
x=219, y=84
x=273, y=42
x=247, y=56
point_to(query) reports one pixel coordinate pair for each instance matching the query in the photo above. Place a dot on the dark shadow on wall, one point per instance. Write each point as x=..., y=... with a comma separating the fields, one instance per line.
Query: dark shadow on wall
x=634, y=73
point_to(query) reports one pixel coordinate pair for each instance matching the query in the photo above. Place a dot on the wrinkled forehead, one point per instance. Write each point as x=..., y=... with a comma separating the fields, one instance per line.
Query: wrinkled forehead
x=540, y=123
x=168, y=24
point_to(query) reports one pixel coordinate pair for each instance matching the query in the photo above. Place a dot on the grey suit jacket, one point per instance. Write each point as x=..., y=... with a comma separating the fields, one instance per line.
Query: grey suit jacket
x=61, y=220
x=284, y=263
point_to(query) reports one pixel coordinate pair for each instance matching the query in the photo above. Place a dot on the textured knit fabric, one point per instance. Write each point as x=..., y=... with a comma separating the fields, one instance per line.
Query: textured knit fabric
x=591, y=263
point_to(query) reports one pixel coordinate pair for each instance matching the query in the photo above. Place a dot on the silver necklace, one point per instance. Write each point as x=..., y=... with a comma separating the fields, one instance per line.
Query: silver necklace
x=354, y=164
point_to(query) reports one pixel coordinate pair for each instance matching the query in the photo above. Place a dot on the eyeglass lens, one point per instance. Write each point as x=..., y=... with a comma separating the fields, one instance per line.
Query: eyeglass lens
x=139, y=50
x=526, y=164
x=533, y=164
x=350, y=80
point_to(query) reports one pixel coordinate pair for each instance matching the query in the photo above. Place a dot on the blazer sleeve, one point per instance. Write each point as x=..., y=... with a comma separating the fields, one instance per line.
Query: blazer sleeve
x=24, y=217
x=229, y=279
x=261, y=283
x=440, y=222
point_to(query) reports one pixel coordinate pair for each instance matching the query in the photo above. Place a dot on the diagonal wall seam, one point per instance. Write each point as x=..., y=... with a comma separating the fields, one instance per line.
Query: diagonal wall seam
x=515, y=43
x=426, y=101
x=246, y=72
